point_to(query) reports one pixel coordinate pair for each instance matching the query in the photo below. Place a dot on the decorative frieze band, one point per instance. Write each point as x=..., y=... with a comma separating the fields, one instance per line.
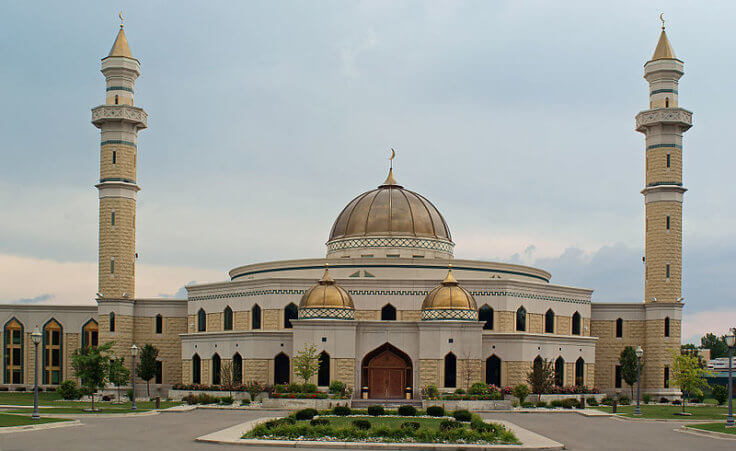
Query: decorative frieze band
x=663, y=116
x=120, y=112
x=415, y=243
x=449, y=314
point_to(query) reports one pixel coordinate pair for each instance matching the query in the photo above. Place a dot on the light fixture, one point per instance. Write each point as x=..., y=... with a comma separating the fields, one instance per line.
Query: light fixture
x=730, y=340
x=36, y=336
x=639, y=352
x=134, y=350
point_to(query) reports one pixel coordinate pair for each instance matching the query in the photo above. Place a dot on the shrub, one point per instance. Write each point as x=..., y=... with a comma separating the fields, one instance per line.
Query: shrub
x=541, y=404
x=676, y=402
x=342, y=411
x=362, y=424
x=414, y=425
x=624, y=400
x=22, y=388
x=309, y=388
x=462, y=415
x=459, y=391
x=279, y=388
x=556, y=403
x=446, y=425
x=430, y=392
x=319, y=422
x=226, y=400
x=527, y=404
x=592, y=401
x=521, y=391
x=129, y=393
x=664, y=400
x=481, y=426
x=607, y=401
x=570, y=403
x=376, y=411
x=478, y=388
x=436, y=411
x=407, y=411
x=647, y=398
x=69, y=390
x=337, y=387
x=305, y=414
x=7, y=388
x=720, y=393
x=254, y=389
x=295, y=388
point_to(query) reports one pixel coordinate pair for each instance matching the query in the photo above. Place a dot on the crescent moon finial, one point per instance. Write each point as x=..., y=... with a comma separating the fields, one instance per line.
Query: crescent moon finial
x=121, y=19
x=661, y=17
x=393, y=154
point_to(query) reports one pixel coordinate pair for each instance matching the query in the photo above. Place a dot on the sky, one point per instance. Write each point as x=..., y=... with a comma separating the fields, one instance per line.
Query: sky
x=515, y=118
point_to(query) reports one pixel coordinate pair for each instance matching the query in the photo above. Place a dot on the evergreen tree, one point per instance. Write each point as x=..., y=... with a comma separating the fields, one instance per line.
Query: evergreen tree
x=147, y=368
x=717, y=346
x=629, y=365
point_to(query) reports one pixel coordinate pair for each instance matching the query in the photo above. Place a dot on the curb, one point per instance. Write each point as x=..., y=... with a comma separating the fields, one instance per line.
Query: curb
x=701, y=432
x=39, y=427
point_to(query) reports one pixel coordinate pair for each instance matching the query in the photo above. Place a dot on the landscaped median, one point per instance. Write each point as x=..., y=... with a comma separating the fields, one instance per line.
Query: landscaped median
x=670, y=412
x=714, y=427
x=9, y=420
x=376, y=425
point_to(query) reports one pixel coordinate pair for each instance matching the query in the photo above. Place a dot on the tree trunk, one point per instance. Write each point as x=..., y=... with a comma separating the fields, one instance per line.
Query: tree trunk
x=92, y=395
x=148, y=387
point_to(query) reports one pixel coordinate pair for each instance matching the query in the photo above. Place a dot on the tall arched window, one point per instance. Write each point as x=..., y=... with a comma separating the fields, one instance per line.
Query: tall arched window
x=255, y=317
x=667, y=326
x=111, y=317
x=227, y=319
x=560, y=371
x=281, y=369
x=493, y=371
x=485, y=315
x=201, y=320
x=538, y=361
x=666, y=102
x=388, y=313
x=196, y=369
x=216, y=369
x=580, y=372
x=576, y=323
x=159, y=324
x=13, y=352
x=237, y=369
x=619, y=328
x=52, y=356
x=290, y=312
x=521, y=319
x=450, y=370
x=323, y=374
x=90, y=333
x=549, y=322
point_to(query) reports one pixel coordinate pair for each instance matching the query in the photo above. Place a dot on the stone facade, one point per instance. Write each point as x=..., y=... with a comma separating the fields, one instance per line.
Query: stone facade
x=429, y=372
x=241, y=320
x=272, y=319
x=664, y=247
x=117, y=248
x=344, y=371
x=257, y=370
x=513, y=373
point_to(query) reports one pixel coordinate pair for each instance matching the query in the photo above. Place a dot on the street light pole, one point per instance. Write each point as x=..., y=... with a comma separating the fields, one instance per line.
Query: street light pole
x=730, y=342
x=134, y=353
x=36, y=337
x=639, y=352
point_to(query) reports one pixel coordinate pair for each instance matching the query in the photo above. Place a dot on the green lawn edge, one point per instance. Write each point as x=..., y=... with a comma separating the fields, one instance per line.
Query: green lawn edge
x=668, y=412
x=714, y=427
x=9, y=420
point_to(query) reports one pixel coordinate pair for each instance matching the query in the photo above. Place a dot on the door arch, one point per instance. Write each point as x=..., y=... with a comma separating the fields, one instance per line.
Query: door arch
x=386, y=371
x=281, y=369
x=493, y=371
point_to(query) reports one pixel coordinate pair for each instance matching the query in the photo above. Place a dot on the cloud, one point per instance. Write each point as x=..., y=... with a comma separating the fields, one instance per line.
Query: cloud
x=37, y=299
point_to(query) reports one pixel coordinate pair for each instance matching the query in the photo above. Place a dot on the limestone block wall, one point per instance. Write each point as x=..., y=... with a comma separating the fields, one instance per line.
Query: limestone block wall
x=168, y=343
x=505, y=321
x=409, y=315
x=72, y=342
x=367, y=315
x=214, y=321
x=656, y=164
x=343, y=370
x=191, y=323
x=663, y=247
x=658, y=351
x=569, y=373
x=117, y=242
x=122, y=336
x=468, y=372
x=609, y=347
x=257, y=370
x=429, y=372
x=535, y=323
x=564, y=325
x=186, y=371
x=271, y=319
x=589, y=374
x=241, y=320
x=124, y=167
x=206, y=371
x=513, y=373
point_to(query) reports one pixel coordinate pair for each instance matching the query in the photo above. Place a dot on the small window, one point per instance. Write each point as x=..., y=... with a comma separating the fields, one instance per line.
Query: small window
x=666, y=377
x=367, y=256
x=485, y=315
x=667, y=271
x=618, y=376
x=159, y=372
x=521, y=319
x=417, y=256
x=159, y=324
x=114, y=157
x=227, y=319
x=668, y=160
x=667, y=326
x=112, y=266
x=666, y=102
x=576, y=320
x=668, y=222
x=323, y=373
x=112, y=218
x=116, y=100
x=549, y=322
x=450, y=370
x=112, y=321
x=619, y=328
x=255, y=317
x=201, y=321
x=291, y=312
x=388, y=313
x=196, y=369
x=392, y=255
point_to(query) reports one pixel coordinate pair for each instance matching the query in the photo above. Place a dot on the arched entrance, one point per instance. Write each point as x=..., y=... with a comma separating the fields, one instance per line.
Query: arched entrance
x=386, y=371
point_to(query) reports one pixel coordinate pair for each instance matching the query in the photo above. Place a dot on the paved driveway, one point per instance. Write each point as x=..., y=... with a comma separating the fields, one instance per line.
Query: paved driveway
x=177, y=431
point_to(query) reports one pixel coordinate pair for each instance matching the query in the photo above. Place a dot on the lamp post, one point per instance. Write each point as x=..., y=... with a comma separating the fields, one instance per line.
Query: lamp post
x=730, y=342
x=639, y=352
x=36, y=337
x=134, y=353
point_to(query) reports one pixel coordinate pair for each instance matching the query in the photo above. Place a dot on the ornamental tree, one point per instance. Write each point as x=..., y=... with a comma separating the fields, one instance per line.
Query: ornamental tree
x=306, y=362
x=91, y=366
x=118, y=374
x=689, y=375
x=629, y=366
x=147, y=368
x=541, y=378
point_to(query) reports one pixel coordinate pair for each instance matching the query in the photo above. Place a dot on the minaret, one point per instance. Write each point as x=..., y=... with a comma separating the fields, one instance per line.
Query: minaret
x=663, y=124
x=119, y=122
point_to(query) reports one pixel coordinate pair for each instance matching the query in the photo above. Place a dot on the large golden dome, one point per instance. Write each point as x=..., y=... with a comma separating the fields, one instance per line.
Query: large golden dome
x=326, y=300
x=390, y=211
x=449, y=301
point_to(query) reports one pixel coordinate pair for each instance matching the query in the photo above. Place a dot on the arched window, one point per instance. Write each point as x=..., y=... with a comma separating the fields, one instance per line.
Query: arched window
x=619, y=328
x=159, y=324
x=281, y=369
x=549, y=322
x=255, y=317
x=485, y=315
x=450, y=370
x=493, y=371
x=388, y=313
x=323, y=374
x=538, y=362
x=290, y=312
x=666, y=102
x=13, y=334
x=196, y=369
x=201, y=320
x=227, y=319
x=90, y=333
x=237, y=369
x=580, y=372
x=52, y=356
x=116, y=100
x=576, y=323
x=112, y=321
x=667, y=326
x=521, y=319
x=216, y=369
x=560, y=371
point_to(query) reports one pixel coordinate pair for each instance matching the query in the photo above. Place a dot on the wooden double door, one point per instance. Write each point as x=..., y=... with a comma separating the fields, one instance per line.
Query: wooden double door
x=387, y=374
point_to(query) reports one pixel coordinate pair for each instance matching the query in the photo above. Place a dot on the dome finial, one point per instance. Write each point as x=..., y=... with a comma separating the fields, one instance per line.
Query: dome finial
x=390, y=180
x=120, y=47
x=449, y=279
x=121, y=18
x=326, y=279
x=661, y=17
x=664, y=48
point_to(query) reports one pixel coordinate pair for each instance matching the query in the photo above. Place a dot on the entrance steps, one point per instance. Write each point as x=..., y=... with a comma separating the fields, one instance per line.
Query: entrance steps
x=364, y=403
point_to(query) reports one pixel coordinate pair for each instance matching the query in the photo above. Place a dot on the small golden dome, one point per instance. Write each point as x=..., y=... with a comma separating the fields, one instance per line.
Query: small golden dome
x=325, y=295
x=120, y=47
x=664, y=48
x=449, y=296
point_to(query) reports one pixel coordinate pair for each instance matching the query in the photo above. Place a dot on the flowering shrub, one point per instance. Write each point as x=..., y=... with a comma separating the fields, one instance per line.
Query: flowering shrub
x=318, y=395
x=430, y=392
x=573, y=390
x=479, y=391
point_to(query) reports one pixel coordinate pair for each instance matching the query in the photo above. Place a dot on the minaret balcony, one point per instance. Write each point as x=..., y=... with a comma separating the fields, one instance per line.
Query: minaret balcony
x=125, y=113
x=664, y=116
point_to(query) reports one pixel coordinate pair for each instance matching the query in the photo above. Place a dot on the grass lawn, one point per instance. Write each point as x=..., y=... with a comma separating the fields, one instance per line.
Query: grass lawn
x=668, y=412
x=714, y=427
x=392, y=422
x=77, y=410
x=26, y=398
x=78, y=407
x=20, y=420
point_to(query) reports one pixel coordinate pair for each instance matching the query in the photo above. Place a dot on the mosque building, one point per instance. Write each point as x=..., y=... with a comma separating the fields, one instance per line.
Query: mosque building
x=388, y=307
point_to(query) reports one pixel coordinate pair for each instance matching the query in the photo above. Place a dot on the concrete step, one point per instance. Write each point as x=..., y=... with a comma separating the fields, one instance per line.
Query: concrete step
x=363, y=403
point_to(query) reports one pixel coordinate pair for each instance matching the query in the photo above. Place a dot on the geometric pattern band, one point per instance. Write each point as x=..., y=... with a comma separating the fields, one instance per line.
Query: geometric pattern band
x=326, y=313
x=415, y=243
x=449, y=314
